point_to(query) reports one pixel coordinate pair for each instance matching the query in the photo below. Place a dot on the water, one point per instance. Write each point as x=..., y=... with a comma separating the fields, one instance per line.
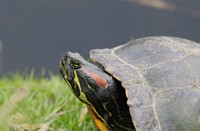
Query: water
x=36, y=33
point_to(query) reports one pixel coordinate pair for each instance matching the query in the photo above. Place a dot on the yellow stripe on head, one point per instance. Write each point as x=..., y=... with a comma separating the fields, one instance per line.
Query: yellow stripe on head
x=82, y=96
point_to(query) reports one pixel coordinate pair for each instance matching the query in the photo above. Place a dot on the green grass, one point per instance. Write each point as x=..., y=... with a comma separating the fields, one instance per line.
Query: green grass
x=39, y=103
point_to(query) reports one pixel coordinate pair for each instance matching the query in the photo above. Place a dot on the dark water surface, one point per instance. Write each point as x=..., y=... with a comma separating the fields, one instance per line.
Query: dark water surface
x=36, y=33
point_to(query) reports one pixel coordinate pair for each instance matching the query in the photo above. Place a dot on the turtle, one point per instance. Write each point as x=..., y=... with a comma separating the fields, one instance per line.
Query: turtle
x=147, y=84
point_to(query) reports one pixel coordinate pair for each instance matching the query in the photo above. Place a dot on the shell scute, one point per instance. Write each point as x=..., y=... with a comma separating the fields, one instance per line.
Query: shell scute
x=178, y=109
x=168, y=75
x=145, y=119
x=122, y=72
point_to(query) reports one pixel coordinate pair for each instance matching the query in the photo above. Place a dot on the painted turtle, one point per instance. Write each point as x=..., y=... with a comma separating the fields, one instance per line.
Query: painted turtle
x=148, y=84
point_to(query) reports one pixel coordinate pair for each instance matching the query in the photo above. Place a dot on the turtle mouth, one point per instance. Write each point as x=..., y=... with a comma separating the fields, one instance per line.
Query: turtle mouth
x=65, y=69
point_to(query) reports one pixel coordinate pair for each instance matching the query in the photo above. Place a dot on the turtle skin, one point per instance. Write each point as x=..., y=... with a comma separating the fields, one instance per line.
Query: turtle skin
x=161, y=78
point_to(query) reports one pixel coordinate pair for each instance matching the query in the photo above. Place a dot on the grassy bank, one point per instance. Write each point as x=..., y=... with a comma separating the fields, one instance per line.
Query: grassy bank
x=39, y=103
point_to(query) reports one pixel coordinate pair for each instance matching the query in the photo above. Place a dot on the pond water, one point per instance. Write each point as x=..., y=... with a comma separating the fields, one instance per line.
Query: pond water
x=36, y=33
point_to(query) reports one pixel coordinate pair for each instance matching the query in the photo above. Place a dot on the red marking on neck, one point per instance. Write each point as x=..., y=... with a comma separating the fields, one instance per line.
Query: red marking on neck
x=101, y=82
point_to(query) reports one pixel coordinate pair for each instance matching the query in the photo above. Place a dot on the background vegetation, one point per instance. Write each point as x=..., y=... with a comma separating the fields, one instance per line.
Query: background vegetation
x=40, y=103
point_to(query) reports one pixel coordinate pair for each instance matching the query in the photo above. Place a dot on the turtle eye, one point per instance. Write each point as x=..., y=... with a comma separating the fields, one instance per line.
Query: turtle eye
x=75, y=64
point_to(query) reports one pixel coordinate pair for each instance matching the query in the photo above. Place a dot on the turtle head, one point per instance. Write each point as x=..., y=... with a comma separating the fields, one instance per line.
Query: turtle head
x=99, y=90
x=87, y=81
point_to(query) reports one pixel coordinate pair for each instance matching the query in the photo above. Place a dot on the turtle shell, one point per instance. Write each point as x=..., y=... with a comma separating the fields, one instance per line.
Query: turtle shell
x=161, y=77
